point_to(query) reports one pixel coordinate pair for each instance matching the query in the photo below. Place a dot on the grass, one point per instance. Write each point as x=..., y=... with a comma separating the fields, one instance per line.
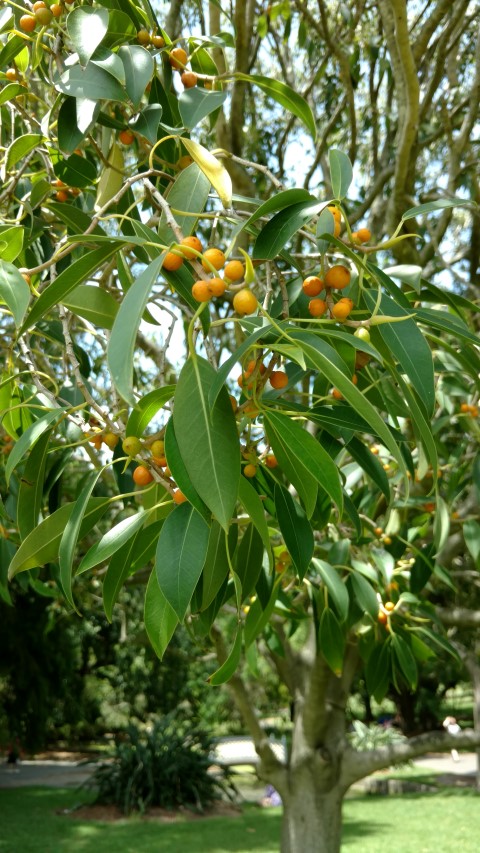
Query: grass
x=442, y=823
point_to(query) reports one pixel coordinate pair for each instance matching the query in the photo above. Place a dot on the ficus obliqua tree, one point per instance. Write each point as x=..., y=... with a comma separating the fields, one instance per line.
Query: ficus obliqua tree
x=218, y=381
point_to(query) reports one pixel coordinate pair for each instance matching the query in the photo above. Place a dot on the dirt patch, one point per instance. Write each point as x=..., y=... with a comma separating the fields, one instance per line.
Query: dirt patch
x=112, y=814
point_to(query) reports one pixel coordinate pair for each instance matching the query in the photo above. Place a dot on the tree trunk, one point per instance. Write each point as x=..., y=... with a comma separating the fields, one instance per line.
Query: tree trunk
x=312, y=816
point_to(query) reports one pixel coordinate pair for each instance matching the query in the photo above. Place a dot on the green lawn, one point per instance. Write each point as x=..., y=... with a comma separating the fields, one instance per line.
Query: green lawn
x=442, y=823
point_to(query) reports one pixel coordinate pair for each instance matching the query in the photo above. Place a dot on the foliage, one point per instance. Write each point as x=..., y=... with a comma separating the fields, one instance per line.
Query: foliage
x=167, y=766
x=369, y=737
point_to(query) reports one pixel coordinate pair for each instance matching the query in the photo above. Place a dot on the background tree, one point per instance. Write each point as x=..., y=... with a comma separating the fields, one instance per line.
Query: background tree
x=310, y=513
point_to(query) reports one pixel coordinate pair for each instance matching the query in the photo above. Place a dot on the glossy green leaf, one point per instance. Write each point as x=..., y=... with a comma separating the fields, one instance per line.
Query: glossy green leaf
x=471, y=534
x=71, y=533
x=335, y=586
x=331, y=641
x=93, y=304
x=10, y=91
x=446, y=323
x=216, y=568
x=87, y=27
x=285, y=198
x=69, y=134
x=196, y=103
x=11, y=243
x=364, y=594
x=208, y=439
x=139, y=66
x=301, y=478
x=146, y=409
x=181, y=552
x=408, y=273
x=256, y=511
x=438, y=204
x=224, y=371
x=370, y=464
x=30, y=489
x=20, y=147
x=405, y=660
x=121, y=345
x=180, y=473
x=249, y=559
x=28, y=439
x=77, y=273
x=90, y=82
x=378, y=669
x=41, y=545
x=325, y=225
x=111, y=63
x=295, y=529
x=14, y=291
x=441, y=523
x=76, y=171
x=278, y=231
x=288, y=98
x=258, y=616
x=146, y=122
x=118, y=571
x=188, y=194
x=212, y=168
x=228, y=668
x=112, y=541
x=160, y=619
x=308, y=453
x=341, y=172
x=437, y=641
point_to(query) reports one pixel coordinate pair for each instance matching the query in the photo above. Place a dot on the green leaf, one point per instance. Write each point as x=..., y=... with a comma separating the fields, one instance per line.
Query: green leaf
x=301, y=479
x=111, y=63
x=20, y=147
x=341, y=172
x=146, y=122
x=195, y=104
x=224, y=371
x=408, y=346
x=370, y=464
x=307, y=452
x=68, y=280
x=160, y=619
x=441, y=524
x=10, y=91
x=225, y=672
x=91, y=82
x=446, y=323
x=422, y=568
x=285, y=96
x=276, y=233
x=405, y=660
x=255, y=509
x=11, y=242
x=76, y=171
x=471, y=534
x=121, y=346
x=28, y=439
x=258, y=616
x=377, y=671
x=139, y=66
x=438, y=204
x=87, y=28
x=69, y=134
x=188, y=194
x=295, y=529
x=30, y=490
x=364, y=594
x=249, y=559
x=438, y=641
x=181, y=552
x=212, y=168
x=146, y=409
x=14, y=291
x=93, y=304
x=207, y=438
x=408, y=273
x=335, y=586
x=331, y=641
x=216, y=568
x=325, y=225
x=118, y=571
x=180, y=473
x=285, y=198
x=41, y=545
x=112, y=541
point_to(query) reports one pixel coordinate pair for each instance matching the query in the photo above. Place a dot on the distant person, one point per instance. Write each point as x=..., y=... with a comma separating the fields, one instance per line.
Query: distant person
x=451, y=726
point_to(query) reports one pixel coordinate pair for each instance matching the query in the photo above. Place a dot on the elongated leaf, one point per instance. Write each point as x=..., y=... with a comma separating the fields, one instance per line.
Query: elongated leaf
x=188, y=194
x=68, y=542
x=69, y=134
x=405, y=660
x=370, y=464
x=255, y=509
x=93, y=304
x=407, y=344
x=41, y=545
x=112, y=541
x=19, y=149
x=208, y=439
x=180, y=473
x=295, y=529
x=471, y=534
x=325, y=225
x=441, y=524
x=138, y=64
x=30, y=490
x=146, y=122
x=76, y=171
x=229, y=364
x=111, y=179
x=216, y=568
x=301, y=479
x=285, y=198
x=181, y=552
x=28, y=439
x=227, y=669
x=77, y=273
x=122, y=340
x=10, y=91
x=378, y=669
x=336, y=588
x=14, y=291
x=258, y=616
x=146, y=409
x=11, y=243
x=288, y=98
x=160, y=619
x=309, y=454
x=446, y=323
x=332, y=641
x=86, y=28
x=249, y=560
x=438, y=204
x=212, y=168
x=118, y=571
x=91, y=82
x=276, y=233
x=364, y=594
x=341, y=172
x=195, y=104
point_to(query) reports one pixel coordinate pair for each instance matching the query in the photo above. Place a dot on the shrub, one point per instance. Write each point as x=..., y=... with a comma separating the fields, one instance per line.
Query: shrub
x=167, y=766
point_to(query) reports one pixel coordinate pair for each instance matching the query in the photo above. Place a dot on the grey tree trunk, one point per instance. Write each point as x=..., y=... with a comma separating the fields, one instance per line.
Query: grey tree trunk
x=312, y=816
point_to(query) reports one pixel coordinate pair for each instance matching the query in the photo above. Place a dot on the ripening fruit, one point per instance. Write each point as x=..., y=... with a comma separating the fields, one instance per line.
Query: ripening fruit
x=336, y=394
x=362, y=334
x=27, y=23
x=233, y=401
x=250, y=470
x=364, y=235
x=142, y=476
x=126, y=137
x=201, y=291
x=335, y=212
x=56, y=10
x=278, y=379
x=355, y=379
x=43, y=16
x=389, y=605
x=378, y=531
x=382, y=617
x=337, y=277
x=213, y=258
x=39, y=5
x=217, y=286
x=313, y=285
x=251, y=410
x=387, y=540
x=342, y=309
x=26, y=278
x=245, y=302
x=96, y=440
x=143, y=37
x=355, y=237
x=179, y=497
x=234, y=270
x=161, y=461
x=271, y=461
x=158, y=41
x=317, y=307
x=178, y=58
x=189, y=79
x=61, y=195
x=190, y=243
x=337, y=228
x=184, y=161
x=111, y=440
x=252, y=364
x=157, y=448
x=132, y=445
x=11, y=74
x=172, y=262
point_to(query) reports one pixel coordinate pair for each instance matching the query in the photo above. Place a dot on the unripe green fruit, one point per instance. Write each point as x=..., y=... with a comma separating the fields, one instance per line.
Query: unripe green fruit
x=362, y=334
x=43, y=17
x=132, y=445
